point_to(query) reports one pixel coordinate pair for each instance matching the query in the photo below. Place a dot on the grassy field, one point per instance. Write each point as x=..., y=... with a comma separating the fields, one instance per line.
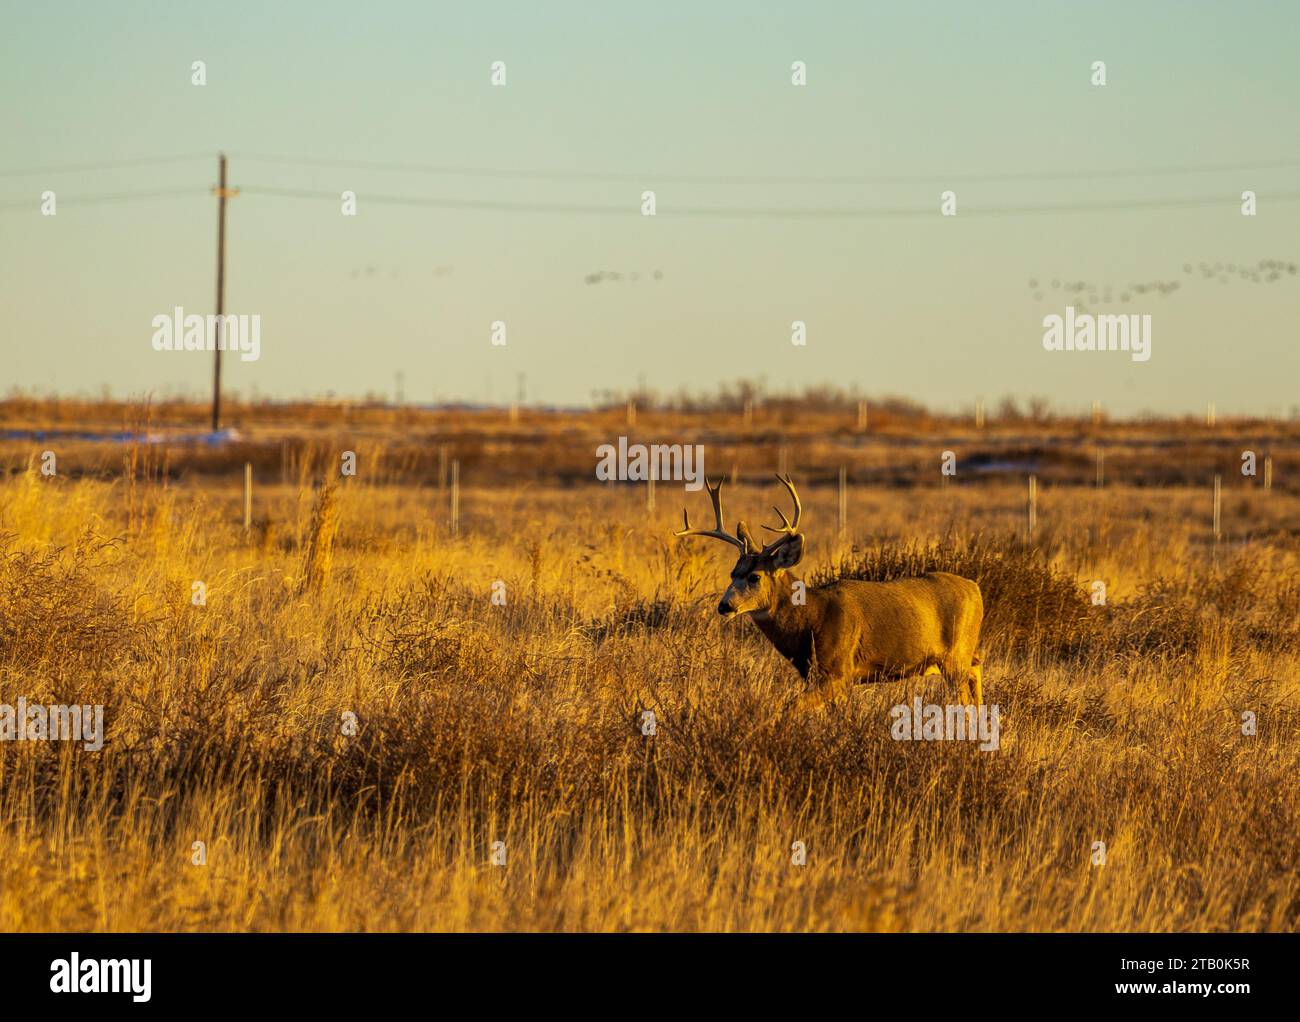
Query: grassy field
x=482, y=721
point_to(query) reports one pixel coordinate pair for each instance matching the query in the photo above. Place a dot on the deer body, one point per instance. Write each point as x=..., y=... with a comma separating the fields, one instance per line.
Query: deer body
x=859, y=631
x=853, y=630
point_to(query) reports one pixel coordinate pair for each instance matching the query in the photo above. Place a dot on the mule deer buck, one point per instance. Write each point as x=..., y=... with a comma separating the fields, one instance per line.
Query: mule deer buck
x=853, y=630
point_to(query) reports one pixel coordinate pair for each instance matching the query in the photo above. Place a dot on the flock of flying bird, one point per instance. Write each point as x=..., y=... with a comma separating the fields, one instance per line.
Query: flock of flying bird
x=1266, y=271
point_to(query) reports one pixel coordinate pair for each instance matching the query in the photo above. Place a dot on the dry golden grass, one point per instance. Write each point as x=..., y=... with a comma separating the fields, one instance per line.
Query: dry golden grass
x=481, y=723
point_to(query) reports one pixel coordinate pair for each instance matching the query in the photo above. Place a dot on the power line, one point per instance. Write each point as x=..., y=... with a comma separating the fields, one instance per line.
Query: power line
x=32, y=203
x=410, y=200
x=772, y=212
x=654, y=177
x=632, y=209
x=111, y=165
x=737, y=179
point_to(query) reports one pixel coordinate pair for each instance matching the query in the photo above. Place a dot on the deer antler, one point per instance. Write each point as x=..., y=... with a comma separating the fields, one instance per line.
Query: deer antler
x=718, y=531
x=787, y=528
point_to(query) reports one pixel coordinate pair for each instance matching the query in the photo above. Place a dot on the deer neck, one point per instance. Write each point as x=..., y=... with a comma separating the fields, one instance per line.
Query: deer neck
x=786, y=624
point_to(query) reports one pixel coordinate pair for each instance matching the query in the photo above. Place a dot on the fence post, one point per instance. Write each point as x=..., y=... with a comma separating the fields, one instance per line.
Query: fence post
x=844, y=501
x=1033, y=504
x=1218, y=506
x=455, y=497
x=248, y=495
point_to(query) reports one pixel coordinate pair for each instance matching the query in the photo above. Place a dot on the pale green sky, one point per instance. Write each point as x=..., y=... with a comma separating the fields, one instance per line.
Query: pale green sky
x=932, y=94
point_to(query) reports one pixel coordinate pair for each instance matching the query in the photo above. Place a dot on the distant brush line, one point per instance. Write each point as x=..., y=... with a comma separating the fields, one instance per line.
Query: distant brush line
x=913, y=212
x=740, y=179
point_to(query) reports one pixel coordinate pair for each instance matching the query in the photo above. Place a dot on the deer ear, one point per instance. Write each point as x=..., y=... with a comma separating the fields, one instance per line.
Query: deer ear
x=789, y=553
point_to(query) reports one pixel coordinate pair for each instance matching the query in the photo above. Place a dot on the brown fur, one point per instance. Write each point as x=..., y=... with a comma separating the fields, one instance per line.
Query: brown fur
x=858, y=631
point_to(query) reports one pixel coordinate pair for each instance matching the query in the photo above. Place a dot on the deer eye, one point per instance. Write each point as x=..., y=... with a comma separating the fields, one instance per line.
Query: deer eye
x=753, y=579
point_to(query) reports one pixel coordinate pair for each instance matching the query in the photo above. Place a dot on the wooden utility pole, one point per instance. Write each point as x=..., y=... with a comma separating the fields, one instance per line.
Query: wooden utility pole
x=222, y=193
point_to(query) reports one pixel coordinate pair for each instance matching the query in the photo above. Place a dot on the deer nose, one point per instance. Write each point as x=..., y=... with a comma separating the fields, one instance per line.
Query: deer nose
x=726, y=609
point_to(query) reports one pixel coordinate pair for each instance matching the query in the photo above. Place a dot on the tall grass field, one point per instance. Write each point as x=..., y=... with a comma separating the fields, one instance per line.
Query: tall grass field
x=349, y=716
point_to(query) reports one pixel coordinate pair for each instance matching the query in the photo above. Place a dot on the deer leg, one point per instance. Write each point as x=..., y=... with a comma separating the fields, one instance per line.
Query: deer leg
x=959, y=678
x=837, y=669
x=963, y=692
x=827, y=689
x=834, y=677
x=977, y=680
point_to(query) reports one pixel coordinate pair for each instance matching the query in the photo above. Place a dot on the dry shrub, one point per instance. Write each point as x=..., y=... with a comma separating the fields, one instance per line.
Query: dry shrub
x=320, y=539
x=1030, y=606
x=1038, y=611
x=1252, y=600
x=55, y=615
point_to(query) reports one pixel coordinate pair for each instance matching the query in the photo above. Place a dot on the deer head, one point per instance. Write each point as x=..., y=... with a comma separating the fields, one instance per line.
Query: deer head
x=754, y=585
